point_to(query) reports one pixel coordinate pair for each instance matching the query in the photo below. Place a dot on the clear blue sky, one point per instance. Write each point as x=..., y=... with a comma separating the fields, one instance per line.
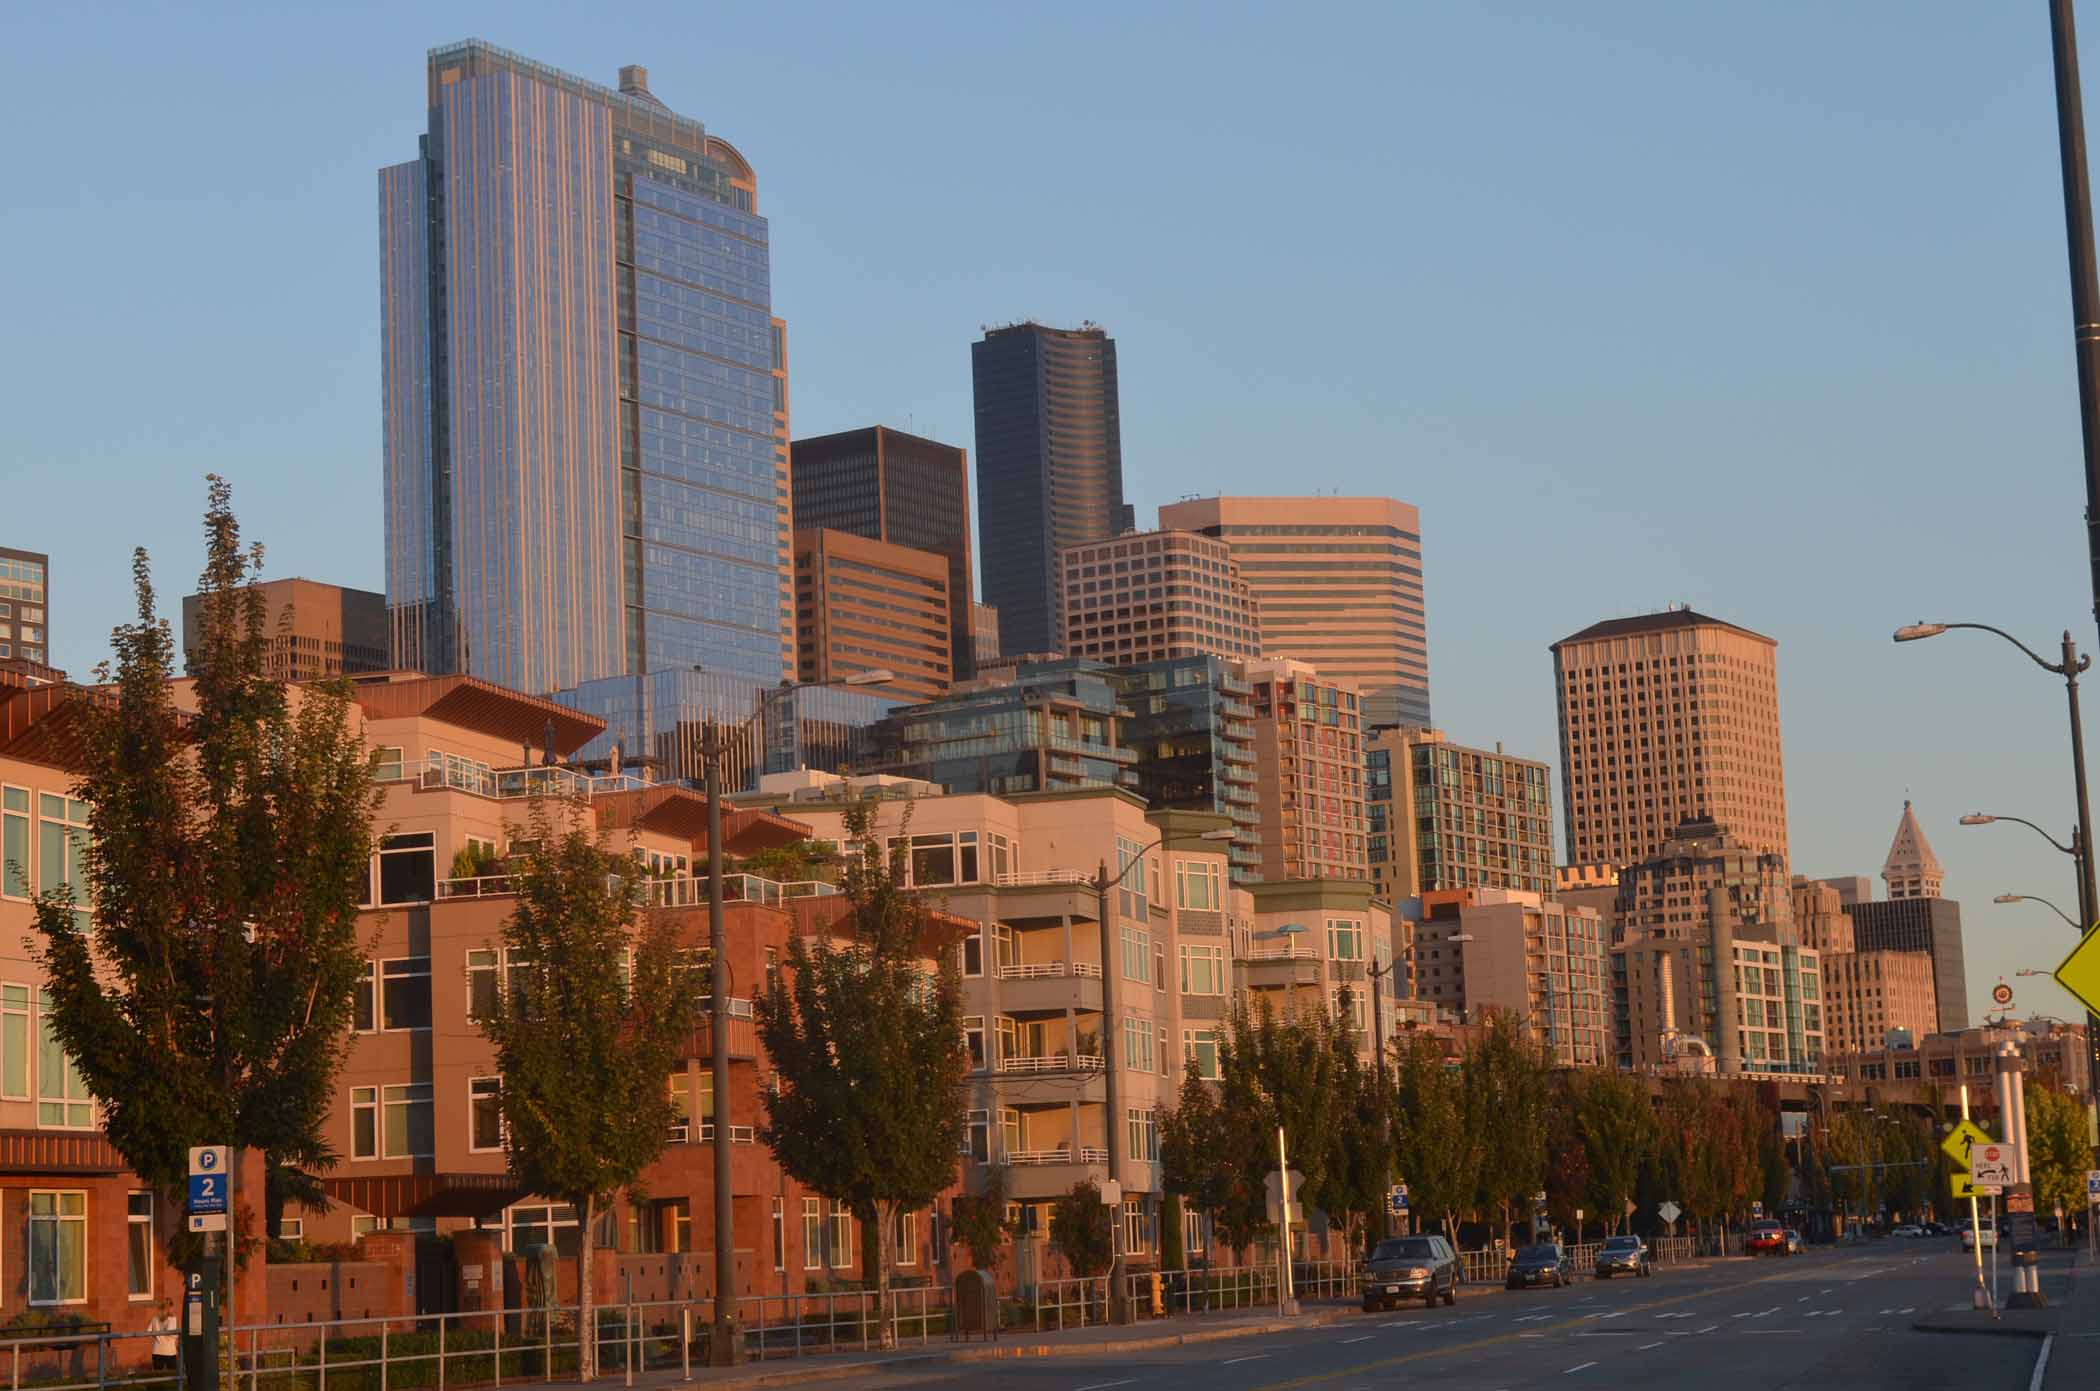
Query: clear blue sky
x=1760, y=307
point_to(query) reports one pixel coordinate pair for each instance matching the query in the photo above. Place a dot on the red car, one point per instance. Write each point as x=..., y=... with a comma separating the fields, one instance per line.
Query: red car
x=1765, y=1239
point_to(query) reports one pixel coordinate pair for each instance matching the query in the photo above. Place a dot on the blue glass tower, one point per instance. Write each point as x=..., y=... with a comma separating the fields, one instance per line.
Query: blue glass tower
x=584, y=388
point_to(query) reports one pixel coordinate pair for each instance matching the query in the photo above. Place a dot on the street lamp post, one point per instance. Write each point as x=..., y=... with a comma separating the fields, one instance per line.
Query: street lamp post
x=722, y=1348
x=1385, y=1217
x=1112, y=1087
x=2069, y=921
x=2068, y=668
x=2076, y=850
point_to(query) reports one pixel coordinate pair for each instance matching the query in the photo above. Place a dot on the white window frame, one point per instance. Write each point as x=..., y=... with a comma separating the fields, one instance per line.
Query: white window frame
x=1213, y=958
x=780, y=1240
x=27, y=816
x=13, y=1009
x=65, y=1098
x=841, y=1234
x=906, y=1238
x=476, y=1094
x=812, y=1233
x=364, y=1098
x=58, y=1219
x=1340, y=930
x=132, y=1221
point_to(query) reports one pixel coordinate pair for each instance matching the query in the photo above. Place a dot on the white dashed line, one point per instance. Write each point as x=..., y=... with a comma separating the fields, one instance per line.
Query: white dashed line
x=1104, y=1385
x=1908, y=1309
x=1580, y=1367
x=1365, y=1339
x=1710, y=1328
x=1645, y=1346
x=1250, y=1357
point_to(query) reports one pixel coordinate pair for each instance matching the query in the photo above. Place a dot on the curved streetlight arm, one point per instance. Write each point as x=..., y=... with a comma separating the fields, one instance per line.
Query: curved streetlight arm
x=2034, y=898
x=1926, y=630
x=2071, y=849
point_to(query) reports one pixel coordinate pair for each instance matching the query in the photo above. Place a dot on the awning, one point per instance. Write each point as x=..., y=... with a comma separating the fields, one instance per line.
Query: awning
x=426, y=1195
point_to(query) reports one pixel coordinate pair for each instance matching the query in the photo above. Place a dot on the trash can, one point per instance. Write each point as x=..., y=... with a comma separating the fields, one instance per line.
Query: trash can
x=976, y=1305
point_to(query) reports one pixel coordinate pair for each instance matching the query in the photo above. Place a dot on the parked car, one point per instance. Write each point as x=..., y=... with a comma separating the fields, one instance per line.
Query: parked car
x=1765, y=1238
x=1793, y=1242
x=1410, y=1267
x=1985, y=1233
x=1623, y=1255
x=1907, y=1229
x=1543, y=1264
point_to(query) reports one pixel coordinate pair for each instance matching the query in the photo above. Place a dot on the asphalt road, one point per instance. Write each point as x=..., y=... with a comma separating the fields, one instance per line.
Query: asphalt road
x=1836, y=1319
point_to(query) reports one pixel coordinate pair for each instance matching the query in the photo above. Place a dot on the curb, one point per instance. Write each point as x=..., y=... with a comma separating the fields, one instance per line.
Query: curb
x=1166, y=1340
x=1978, y=1330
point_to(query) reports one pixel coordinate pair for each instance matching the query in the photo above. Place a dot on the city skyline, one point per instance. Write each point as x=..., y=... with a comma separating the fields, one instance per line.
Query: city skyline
x=1851, y=751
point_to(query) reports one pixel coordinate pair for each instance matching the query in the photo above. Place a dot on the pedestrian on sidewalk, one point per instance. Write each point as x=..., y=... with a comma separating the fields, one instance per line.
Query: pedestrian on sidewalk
x=165, y=1332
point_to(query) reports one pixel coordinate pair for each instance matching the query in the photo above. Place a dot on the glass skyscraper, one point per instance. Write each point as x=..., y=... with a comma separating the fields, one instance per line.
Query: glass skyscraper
x=585, y=391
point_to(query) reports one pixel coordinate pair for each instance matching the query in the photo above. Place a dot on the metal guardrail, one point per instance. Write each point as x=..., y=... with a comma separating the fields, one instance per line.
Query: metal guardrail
x=1017, y=879
x=1054, y=1062
x=60, y=1361
x=1080, y=1297
x=1063, y=1155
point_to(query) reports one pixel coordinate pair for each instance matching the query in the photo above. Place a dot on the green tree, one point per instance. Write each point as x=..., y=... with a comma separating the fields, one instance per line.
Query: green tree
x=1617, y=1126
x=1439, y=1152
x=1363, y=1154
x=1567, y=1159
x=1081, y=1225
x=790, y=863
x=1505, y=1077
x=207, y=998
x=868, y=1044
x=600, y=999
x=1192, y=1146
x=2057, y=1154
x=980, y=1218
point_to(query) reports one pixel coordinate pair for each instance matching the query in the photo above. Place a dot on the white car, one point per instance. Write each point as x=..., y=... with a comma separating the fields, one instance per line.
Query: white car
x=1907, y=1229
x=1970, y=1235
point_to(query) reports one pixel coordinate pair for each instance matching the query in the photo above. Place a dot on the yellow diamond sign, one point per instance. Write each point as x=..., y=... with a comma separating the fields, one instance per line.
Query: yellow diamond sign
x=2080, y=973
x=1959, y=1139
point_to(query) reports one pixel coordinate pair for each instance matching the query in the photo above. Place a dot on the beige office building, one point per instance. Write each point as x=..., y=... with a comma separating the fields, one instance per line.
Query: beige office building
x=865, y=605
x=1155, y=595
x=311, y=631
x=1338, y=581
x=1666, y=718
x=1544, y=963
x=1309, y=774
x=1866, y=994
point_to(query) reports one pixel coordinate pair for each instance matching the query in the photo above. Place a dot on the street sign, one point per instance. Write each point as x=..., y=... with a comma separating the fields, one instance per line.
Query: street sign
x=1992, y=1163
x=1961, y=1139
x=1396, y=1200
x=2001, y=995
x=207, y=1221
x=2080, y=971
x=208, y=1180
x=207, y=1159
x=1963, y=1188
x=207, y=1192
x=1757, y=1209
x=1669, y=1211
x=1112, y=1193
x=1297, y=1181
x=2092, y=1185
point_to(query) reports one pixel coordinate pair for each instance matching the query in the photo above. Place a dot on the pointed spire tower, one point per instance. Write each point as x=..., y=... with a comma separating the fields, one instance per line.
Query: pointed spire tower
x=1911, y=870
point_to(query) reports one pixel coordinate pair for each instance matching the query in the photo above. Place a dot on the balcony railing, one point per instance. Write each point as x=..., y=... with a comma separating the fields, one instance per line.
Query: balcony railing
x=685, y=892
x=1063, y=1154
x=1024, y=878
x=1044, y=970
x=1053, y=1062
x=739, y=1007
x=1281, y=951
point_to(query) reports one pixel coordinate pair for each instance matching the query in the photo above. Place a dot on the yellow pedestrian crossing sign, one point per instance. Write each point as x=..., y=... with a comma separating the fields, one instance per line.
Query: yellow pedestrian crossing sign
x=1956, y=1145
x=2080, y=972
x=1963, y=1188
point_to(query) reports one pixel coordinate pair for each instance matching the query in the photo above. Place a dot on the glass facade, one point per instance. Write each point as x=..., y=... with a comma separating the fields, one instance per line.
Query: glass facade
x=665, y=715
x=1056, y=727
x=584, y=387
x=1189, y=723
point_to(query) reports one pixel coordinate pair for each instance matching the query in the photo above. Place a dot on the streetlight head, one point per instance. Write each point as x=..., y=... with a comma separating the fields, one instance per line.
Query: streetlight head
x=1222, y=833
x=1911, y=632
x=878, y=677
x=1977, y=818
x=2008, y=898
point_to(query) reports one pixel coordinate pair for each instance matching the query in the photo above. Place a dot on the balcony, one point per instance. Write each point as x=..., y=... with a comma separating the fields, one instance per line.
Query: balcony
x=690, y=892
x=1038, y=970
x=1030, y=878
x=1050, y=987
x=1054, y=1062
x=1061, y=1155
x=1280, y=951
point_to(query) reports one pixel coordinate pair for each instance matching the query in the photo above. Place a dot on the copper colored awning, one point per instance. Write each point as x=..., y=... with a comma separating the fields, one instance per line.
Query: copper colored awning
x=51, y=1152
x=426, y=1195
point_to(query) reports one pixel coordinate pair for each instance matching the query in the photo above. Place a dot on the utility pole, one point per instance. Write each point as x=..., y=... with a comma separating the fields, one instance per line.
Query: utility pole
x=1385, y=1214
x=1111, y=1096
x=722, y=1346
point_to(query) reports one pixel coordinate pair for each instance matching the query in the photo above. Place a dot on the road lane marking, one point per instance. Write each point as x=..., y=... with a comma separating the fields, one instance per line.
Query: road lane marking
x=1802, y=1300
x=1908, y=1309
x=1104, y=1385
x=1645, y=1346
x=1365, y=1339
x=1761, y=1313
x=1400, y=1323
x=1585, y=1366
x=1709, y=1328
x=2041, y=1364
x=1250, y=1357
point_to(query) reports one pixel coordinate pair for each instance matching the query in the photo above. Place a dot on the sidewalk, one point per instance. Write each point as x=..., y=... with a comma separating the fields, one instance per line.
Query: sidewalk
x=2068, y=1283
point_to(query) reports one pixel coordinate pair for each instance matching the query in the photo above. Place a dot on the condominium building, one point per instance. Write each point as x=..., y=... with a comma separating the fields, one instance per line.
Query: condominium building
x=2053, y=1050
x=1052, y=725
x=1036, y=997
x=1667, y=718
x=25, y=607
x=1542, y=962
x=1049, y=465
x=584, y=389
x=1149, y=596
x=1338, y=583
x=1317, y=944
x=1668, y=894
x=311, y=631
x=891, y=486
x=984, y=636
x=1189, y=722
x=1444, y=816
x=863, y=606
x=1866, y=994
x=1309, y=774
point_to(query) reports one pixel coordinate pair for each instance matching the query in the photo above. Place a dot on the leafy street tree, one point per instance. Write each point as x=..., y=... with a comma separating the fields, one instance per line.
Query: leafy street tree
x=1081, y=1225
x=2057, y=1154
x=869, y=1050
x=1363, y=1157
x=1567, y=1159
x=1505, y=1077
x=207, y=999
x=1439, y=1153
x=980, y=1219
x=600, y=999
x=1617, y=1126
x=1192, y=1147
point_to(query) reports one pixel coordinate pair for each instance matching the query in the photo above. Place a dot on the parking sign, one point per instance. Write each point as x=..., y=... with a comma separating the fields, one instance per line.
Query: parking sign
x=2092, y=1185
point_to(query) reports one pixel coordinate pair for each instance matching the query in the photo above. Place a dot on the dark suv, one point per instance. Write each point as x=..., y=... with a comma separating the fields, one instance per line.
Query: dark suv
x=1410, y=1267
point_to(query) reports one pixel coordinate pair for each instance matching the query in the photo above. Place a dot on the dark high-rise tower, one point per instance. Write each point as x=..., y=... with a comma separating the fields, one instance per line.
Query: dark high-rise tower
x=889, y=486
x=584, y=388
x=1049, y=466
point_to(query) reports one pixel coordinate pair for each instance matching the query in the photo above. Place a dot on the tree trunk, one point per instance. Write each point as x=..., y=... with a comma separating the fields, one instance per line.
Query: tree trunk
x=885, y=1229
x=586, y=1321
